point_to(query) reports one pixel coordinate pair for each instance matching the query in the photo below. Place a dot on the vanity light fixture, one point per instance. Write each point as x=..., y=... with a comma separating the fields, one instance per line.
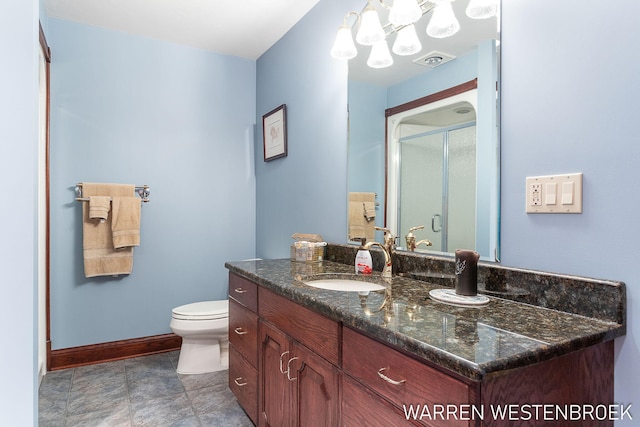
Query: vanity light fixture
x=402, y=15
x=443, y=21
x=380, y=56
x=370, y=31
x=482, y=9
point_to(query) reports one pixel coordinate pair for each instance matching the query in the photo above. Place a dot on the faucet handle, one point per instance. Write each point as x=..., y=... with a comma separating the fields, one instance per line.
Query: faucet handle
x=411, y=238
x=412, y=229
x=386, y=230
x=410, y=234
x=389, y=238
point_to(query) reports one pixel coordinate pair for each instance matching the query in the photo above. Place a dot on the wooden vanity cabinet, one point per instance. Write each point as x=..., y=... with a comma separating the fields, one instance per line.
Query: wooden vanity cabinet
x=290, y=366
x=298, y=387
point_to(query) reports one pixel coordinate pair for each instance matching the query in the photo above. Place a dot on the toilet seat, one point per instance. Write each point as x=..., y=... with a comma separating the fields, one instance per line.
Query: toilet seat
x=204, y=310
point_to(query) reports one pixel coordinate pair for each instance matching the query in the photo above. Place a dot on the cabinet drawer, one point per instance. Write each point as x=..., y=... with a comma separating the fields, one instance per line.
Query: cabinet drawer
x=243, y=331
x=243, y=382
x=244, y=291
x=360, y=407
x=401, y=379
x=308, y=327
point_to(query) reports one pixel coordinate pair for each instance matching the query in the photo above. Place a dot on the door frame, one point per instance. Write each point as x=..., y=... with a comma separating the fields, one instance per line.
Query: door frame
x=44, y=267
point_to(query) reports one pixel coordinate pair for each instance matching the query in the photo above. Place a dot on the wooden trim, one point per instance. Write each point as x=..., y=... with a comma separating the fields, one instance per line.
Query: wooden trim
x=47, y=55
x=44, y=45
x=110, y=351
x=443, y=94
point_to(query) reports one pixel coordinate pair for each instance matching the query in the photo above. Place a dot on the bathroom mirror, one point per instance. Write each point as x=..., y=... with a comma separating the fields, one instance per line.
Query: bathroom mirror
x=425, y=139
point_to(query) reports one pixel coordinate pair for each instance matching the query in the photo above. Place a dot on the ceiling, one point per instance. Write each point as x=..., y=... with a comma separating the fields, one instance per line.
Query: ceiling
x=245, y=28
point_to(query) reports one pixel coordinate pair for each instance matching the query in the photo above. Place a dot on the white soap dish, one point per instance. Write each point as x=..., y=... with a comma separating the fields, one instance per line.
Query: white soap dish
x=449, y=296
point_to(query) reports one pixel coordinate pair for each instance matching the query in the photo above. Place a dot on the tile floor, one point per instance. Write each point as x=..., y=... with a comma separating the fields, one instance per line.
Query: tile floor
x=143, y=391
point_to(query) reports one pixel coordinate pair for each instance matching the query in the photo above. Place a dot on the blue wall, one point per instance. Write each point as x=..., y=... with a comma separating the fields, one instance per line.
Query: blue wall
x=18, y=210
x=130, y=109
x=570, y=104
x=565, y=109
x=307, y=190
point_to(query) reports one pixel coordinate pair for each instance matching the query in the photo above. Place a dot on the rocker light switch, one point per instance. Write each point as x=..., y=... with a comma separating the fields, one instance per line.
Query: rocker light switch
x=550, y=193
x=567, y=193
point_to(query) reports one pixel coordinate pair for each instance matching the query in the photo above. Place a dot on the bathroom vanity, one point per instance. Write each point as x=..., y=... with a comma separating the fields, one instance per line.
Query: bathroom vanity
x=302, y=356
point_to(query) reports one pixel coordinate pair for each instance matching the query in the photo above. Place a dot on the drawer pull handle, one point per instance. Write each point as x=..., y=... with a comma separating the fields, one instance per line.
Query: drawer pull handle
x=289, y=369
x=282, y=371
x=387, y=379
x=240, y=290
x=238, y=383
x=240, y=331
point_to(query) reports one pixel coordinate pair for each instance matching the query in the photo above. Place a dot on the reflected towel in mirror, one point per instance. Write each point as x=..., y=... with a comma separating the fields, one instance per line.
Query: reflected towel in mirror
x=359, y=226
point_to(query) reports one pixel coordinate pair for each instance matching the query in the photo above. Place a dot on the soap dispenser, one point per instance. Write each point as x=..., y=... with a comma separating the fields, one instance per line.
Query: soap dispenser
x=364, y=263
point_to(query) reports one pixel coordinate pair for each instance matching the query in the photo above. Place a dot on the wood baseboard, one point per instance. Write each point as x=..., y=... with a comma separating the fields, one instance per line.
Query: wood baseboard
x=110, y=351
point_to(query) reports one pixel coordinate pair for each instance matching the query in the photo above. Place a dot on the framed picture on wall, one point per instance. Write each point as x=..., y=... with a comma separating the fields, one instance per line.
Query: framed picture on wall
x=274, y=133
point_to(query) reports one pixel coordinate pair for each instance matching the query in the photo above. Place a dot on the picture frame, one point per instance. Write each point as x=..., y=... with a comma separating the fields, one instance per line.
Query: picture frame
x=274, y=133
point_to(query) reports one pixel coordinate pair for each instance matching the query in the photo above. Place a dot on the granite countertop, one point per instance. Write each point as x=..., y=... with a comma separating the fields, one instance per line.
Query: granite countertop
x=473, y=342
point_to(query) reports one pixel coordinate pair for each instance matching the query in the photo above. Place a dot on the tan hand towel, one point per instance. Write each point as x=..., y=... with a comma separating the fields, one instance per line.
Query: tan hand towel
x=100, y=258
x=369, y=210
x=359, y=227
x=99, y=207
x=125, y=224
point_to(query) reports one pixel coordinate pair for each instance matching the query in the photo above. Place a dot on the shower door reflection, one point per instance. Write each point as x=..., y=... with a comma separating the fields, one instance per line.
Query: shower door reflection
x=437, y=185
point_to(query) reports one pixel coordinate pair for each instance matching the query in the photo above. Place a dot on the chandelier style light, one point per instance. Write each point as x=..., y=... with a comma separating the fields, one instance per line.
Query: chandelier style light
x=403, y=14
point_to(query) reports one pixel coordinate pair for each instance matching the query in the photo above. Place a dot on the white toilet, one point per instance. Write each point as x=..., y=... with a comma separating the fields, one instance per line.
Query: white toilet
x=204, y=328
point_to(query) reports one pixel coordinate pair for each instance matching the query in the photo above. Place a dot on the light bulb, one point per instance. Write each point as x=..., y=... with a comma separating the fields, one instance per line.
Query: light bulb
x=482, y=9
x=380, y=57
x=443, y=22
x=343, y=47
x=404, y=12
x=370, y=31
x=407, y=42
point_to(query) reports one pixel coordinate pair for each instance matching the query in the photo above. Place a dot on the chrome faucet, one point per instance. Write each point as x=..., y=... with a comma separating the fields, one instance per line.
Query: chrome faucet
x=411, y=239
x=386, y=271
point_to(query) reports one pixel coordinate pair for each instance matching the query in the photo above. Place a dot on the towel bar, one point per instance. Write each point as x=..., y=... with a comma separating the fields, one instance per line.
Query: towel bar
x=142, y=190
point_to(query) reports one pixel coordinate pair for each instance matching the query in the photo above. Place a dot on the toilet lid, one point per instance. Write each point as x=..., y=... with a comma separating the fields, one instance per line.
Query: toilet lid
x=204, y=310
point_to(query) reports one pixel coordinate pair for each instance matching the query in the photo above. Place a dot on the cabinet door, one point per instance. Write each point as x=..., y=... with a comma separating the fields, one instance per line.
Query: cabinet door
x=275, y=387
x=315, y=389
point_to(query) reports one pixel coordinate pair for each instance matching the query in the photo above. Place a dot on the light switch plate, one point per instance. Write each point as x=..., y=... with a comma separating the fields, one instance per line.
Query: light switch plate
x=554, y=193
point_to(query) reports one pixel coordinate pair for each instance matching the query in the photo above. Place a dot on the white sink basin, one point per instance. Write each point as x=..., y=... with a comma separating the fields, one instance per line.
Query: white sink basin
x=344, y=285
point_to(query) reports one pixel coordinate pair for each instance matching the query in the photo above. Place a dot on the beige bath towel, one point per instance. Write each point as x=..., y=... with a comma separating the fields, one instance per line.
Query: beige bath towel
x=359, y=226
x=125, y=225
x=99, y=207
x=100, y=257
